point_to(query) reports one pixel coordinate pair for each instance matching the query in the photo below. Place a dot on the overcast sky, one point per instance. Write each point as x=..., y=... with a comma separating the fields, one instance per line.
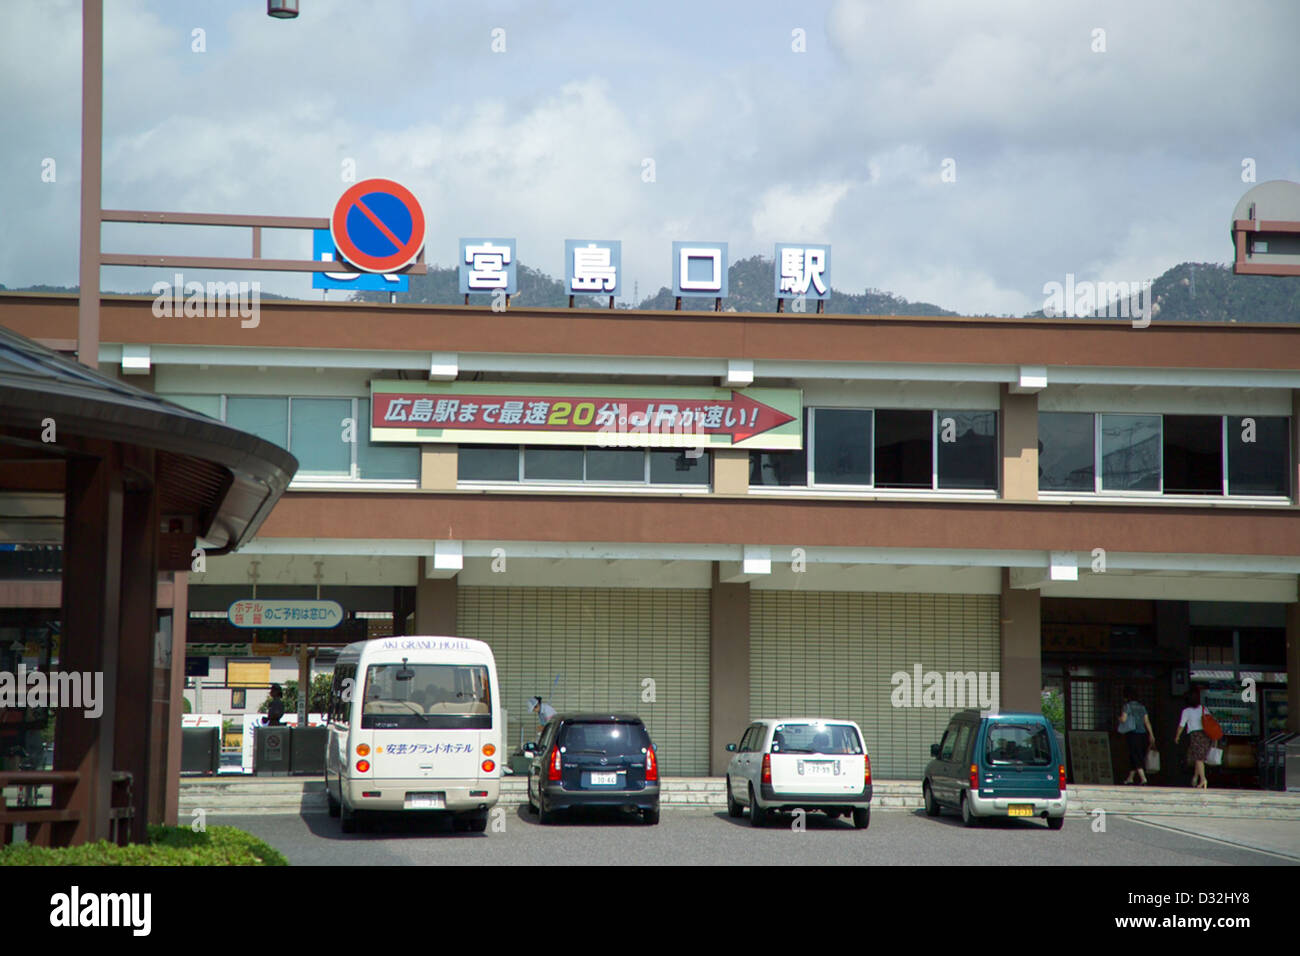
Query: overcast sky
x=1110, y=165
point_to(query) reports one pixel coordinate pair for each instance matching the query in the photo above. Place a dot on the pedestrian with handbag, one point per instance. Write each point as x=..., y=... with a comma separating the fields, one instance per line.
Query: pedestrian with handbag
x=1194, y=720
x=1135, y=726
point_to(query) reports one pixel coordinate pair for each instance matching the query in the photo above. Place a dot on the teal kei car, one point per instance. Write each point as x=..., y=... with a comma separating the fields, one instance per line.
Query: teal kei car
x=997, y=765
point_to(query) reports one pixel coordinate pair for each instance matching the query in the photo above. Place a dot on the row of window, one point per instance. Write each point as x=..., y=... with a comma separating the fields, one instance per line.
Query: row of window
x=330, y=437
x=630, y=466
x=887, y=448
x=1170, y=454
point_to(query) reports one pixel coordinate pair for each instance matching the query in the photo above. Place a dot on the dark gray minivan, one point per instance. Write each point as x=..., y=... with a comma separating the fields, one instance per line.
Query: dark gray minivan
x=997, y=765
x=594, y=760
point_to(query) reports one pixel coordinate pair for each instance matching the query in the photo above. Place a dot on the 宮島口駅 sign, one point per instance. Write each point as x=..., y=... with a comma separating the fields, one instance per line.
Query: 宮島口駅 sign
x=637, y=416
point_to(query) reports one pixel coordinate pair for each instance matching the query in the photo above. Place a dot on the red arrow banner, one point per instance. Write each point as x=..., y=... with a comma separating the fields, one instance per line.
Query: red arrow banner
x=739, y=416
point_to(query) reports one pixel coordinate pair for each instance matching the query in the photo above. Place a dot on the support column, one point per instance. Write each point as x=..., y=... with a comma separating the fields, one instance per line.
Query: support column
x=1293, y=668
x=435, y=604
x=92, y=565
x=171, y=721
x=730, y=471
x=1019, y=428
x=729, y=711
x=403, y=607
x=439, y=465
x=133, y=731
x=1021, y=683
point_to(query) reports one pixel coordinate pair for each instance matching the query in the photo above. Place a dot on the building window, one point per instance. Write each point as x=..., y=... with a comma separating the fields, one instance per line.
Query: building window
x=381, y=460
x=841, y=440
x=676, y=466
x=640, y=466
x=967, y=450
x=781, y=467
x=1130, y=452
x=209, y=405
x=267, y=418
x=904, y=448
x=1193, y=454
x=316, y=435
x=552, y=464
x=1259, y=453
x=487, y=463
x=616, y=464
x=1066, y=451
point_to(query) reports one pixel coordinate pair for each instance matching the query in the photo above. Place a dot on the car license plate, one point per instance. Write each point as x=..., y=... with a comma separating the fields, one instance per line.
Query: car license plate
x=604, y=779
x=816, y=768
x=426, y=801
x=1020, y=810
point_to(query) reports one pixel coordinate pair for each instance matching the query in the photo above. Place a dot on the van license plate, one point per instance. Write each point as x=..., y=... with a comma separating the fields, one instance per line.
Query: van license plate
x=819, y=768
x=426, y=801
x=604, y=779
x=1020, y=810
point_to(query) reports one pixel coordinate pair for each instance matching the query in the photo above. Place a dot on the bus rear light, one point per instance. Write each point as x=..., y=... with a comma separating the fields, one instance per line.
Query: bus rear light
x=767, y=768
x=372, y=793
x=553, y=771
x=489, y=750
x=488, y=766
x=478, y=793
x=363, y=766
x=363, y=750
x=651, y=765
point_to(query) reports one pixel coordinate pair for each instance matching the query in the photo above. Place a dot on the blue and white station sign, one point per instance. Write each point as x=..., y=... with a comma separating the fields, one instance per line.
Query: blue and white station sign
x=700, y=269
x=488, y=265
x=803, y=270
x=322, y=250
x=593, y=266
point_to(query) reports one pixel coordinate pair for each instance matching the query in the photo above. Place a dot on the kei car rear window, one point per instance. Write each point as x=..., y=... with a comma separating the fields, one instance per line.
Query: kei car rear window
x=1023, y=744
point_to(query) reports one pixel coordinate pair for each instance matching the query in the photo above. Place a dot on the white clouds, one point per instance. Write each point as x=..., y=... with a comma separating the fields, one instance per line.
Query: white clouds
x=800, y=214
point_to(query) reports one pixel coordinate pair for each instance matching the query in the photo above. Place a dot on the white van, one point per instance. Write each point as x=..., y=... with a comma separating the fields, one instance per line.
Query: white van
x=415, y=723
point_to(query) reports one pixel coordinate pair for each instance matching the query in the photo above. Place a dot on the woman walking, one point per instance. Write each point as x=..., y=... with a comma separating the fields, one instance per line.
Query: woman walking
x=1198, y=742
x=1135, y=725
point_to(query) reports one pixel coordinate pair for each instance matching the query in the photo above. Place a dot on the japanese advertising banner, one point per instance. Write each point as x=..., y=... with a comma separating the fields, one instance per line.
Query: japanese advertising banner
x=627, y=416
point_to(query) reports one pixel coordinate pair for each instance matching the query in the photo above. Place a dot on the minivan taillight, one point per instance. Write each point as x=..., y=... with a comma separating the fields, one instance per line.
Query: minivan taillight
x=974, y=777
x=1060, y=777
x=651, y=765
x=554, y=772
x=767, y=768
x=866, y=768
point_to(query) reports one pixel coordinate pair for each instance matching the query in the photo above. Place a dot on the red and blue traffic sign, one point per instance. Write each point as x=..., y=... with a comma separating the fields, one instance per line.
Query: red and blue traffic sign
x=378, y=226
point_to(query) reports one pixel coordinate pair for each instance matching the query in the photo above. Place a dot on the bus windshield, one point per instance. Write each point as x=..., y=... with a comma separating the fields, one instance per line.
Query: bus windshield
x=417, y=696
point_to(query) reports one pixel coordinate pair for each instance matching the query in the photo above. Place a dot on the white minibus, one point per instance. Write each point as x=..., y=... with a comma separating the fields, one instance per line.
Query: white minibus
x=415, y=723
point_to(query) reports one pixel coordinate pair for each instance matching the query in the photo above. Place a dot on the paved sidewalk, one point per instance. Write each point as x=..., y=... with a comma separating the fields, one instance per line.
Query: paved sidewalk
x=1273, y=836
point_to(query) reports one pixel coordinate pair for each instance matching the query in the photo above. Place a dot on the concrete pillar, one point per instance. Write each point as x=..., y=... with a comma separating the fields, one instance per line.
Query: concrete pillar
x=731, y=471
x=1019, y=428
x=1293, y=668
x=92, y=576
x=133, y=730
x=729, y=712
x=170, y=723
x=1295, y=446
x=435, y=604
x=1021, y=683
x=438, y=464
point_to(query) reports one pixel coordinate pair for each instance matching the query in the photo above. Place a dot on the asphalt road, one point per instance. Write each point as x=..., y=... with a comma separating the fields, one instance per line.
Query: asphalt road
x=703, y=837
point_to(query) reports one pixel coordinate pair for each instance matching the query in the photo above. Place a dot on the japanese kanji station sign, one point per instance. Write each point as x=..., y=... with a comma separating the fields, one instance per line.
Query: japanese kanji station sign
x=637, y=416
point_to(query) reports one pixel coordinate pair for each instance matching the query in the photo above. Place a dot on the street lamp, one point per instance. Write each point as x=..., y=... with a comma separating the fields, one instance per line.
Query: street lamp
x=282, y=9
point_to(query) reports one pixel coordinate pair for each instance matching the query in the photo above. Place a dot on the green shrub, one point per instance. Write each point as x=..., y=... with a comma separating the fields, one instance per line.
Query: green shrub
x=1054, y=708
x=167, y=846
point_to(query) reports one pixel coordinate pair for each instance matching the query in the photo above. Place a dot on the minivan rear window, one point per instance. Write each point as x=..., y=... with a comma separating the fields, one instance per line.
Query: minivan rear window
x=1024, y=744
x=607, y=738
x=815, y=739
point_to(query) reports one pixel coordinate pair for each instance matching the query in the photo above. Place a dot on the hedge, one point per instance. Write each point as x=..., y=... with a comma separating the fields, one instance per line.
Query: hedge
x=167, y=846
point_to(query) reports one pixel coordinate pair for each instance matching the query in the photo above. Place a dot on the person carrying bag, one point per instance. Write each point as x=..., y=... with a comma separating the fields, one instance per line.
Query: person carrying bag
x=1198, y=741
x=1213, y=730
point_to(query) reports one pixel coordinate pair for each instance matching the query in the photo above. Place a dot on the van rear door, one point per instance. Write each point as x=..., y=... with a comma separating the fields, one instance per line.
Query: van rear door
x=603, y=755
x=1019, y=759
x=820, y=758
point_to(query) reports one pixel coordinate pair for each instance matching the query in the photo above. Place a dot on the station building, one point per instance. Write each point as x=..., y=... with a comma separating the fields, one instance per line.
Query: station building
x=1063, y=504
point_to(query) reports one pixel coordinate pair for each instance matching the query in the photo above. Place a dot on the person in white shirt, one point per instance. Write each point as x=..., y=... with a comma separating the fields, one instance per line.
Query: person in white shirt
x=1198, y=742
x=544, y=711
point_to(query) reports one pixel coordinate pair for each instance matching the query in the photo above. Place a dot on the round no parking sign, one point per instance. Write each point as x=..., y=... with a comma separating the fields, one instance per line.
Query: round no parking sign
x=378, y=226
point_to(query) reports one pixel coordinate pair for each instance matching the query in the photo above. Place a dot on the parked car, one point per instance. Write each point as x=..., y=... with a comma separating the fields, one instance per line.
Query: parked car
x=998, y=765
x=593, y=760
x=805, y=763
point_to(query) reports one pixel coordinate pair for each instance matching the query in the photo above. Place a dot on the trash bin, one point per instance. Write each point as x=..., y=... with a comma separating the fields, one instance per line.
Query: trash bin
x=200, y=750
x=1292, y=763
x=271, y=750
x=307, y=750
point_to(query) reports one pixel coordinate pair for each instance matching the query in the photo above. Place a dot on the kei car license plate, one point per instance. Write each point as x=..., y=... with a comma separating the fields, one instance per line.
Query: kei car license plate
x=822, y=768
x=604, y=779
x=1020, y=810
x=426, y=801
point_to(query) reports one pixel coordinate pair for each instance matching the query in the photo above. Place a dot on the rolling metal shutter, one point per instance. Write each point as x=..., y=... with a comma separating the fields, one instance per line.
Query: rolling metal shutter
x=833, y=654
x=589, y=649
